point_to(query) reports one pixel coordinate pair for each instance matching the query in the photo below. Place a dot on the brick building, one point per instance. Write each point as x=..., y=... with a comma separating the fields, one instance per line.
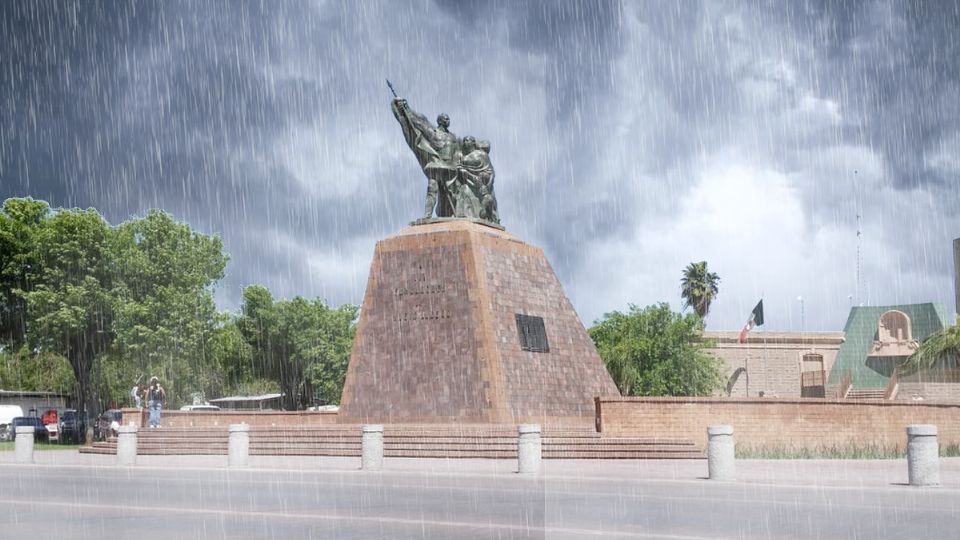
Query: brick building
x=878, y=338
x=873, y=342
x=776, y=364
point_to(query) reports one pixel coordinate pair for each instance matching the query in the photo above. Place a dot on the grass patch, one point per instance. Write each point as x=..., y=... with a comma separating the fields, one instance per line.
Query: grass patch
x=835, y=452
x=9, y=445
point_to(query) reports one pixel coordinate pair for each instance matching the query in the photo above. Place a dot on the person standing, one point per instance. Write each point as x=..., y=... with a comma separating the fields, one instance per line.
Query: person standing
x=155, y=398
x=137, y=394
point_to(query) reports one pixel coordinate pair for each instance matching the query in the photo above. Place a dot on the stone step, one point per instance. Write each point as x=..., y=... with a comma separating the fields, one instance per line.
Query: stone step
x=623, y=455
x=867, y=394
x=444, y=442
x=468, y=441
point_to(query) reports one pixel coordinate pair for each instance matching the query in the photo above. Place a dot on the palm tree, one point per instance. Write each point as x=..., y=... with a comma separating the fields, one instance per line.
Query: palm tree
x=941, y=347
x=699, y=287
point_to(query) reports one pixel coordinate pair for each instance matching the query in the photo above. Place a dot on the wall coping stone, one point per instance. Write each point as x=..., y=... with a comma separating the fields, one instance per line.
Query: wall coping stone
x=922, y=430
x=779, y=401
x=720, y=430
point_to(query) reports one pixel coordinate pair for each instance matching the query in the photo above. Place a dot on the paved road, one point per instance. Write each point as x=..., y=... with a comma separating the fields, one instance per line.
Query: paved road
x=103, y=501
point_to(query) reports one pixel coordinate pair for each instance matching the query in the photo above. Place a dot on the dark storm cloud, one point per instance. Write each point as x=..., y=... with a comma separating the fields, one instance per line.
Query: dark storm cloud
x=267, y=123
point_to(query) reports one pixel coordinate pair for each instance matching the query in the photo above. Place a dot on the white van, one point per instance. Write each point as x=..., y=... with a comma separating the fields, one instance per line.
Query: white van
x=200, y=408
x=7, y=414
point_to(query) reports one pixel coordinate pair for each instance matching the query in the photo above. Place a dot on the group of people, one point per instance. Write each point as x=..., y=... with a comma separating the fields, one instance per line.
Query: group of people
x=153, y=395
x=459, y=173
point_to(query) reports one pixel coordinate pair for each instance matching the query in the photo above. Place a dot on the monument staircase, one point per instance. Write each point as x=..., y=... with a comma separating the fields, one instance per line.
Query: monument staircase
x=415, y=441
x=867, y=393
x=890, y=392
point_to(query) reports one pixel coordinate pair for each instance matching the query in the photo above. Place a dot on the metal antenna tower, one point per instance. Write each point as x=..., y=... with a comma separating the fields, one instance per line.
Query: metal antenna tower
x=859, y=234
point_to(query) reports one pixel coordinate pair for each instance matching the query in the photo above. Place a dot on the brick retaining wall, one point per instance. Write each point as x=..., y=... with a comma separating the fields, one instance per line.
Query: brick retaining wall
x=180, y=419
x=791, y=423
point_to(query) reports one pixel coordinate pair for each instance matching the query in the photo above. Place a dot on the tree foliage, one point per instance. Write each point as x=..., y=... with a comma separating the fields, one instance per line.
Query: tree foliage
x=43, y=371
x=70, y=309
x=165, y=315
x=303, y=344
x=654, y=351
x=939, y=349
x=699, y=287
x=94, y=308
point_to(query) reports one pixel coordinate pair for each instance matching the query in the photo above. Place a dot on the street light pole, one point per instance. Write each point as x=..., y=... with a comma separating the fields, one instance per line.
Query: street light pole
x=802, y=325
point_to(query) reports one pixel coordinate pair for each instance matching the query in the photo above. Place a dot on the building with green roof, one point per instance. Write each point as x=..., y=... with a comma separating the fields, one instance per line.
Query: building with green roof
x=878, y=338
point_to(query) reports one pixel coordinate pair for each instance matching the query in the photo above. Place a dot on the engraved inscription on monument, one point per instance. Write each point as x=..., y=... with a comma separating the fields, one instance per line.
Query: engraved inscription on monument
x=421, y=296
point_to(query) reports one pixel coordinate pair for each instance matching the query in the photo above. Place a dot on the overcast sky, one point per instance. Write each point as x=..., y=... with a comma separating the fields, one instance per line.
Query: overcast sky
x=629, y=139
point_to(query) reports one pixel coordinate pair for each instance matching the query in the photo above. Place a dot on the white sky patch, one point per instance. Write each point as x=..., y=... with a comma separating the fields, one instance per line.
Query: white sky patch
x=944, y=156
x=337, y=276
x=335, y=161
x=749, y=224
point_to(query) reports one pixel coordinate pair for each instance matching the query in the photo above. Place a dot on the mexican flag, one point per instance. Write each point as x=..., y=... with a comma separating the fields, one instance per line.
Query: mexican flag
x=756, y=319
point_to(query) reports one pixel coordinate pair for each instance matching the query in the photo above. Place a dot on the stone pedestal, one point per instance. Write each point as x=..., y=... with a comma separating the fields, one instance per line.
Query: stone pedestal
x=23, y=444
x=529, y=449
x=371, y=448
x=923, y=455
x=721, y=451
x=127, y=445
x=238, y=445
x=465, y=323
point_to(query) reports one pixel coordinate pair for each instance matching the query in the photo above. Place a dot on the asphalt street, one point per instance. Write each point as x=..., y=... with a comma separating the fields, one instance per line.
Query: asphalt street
x=104, y=501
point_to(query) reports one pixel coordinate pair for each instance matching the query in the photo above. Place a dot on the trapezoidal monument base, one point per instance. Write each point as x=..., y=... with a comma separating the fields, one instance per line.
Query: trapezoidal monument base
x=464, y=323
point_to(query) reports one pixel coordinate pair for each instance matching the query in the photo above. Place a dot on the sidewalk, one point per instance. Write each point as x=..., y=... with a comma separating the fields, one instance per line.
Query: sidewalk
x=852, y=474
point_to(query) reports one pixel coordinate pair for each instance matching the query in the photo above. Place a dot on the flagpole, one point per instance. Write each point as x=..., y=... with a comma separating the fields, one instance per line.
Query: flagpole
x=746, y=367
x=756, y=319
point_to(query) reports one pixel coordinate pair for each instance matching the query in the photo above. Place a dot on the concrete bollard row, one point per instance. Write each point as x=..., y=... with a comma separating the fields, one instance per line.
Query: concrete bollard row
x=923, y=455
x=127, y=445
x=721, y=452
x=23, y=446
x=529, y=449
x=238, y=445
x=371, y=444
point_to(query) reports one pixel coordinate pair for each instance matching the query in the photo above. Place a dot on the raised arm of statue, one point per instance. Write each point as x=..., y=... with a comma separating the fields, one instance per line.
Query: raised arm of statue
x=417, y=131
x=411, y=119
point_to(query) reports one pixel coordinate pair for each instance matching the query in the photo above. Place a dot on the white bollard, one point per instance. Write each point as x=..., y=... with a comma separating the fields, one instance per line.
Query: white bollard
x=127, y=445
x=24, y=444
x=238, y=451
x=923, y=455
x=529, y=449
x=721, y=461
x=371, y=457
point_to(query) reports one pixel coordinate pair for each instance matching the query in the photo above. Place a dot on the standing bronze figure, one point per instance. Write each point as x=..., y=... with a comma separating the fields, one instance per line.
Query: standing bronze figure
x=459, y=173
x=436, y=149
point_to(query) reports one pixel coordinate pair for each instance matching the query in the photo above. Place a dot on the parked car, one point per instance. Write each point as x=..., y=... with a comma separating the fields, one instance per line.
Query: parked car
x=199, y=408
x=7, y=414
x=51, y=419
x=73, y=428
x=39, y=430
x=107, y=424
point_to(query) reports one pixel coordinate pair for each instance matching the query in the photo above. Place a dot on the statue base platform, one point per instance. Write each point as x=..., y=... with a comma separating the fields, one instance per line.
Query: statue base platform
x=462, y=322
x=478, y=221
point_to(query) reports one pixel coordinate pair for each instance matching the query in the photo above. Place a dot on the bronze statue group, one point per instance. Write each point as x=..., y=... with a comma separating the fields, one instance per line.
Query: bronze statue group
x=459, y=172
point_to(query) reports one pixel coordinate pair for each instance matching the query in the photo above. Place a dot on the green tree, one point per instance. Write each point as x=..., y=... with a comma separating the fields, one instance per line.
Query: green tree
x=20, y=221
x=117, y=302
x=35, y=371
x=699, y=287
x=70, y=306
x=328, y=348
x=232, y=366
x=656, y=352
x=165, y=315
x=303, y=344
x=938, y=349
